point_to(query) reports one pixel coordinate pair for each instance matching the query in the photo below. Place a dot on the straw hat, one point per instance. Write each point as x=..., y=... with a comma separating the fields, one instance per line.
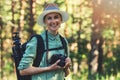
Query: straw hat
x=49, y=9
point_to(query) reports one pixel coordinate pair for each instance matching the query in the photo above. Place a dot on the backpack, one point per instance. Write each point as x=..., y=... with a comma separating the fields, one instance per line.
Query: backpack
x=18, y=51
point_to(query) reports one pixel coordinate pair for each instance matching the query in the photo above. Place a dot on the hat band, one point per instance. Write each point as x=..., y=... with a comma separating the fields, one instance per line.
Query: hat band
x=51, y=8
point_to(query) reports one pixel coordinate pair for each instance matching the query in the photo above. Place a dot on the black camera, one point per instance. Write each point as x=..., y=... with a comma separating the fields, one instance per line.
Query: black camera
x=56, y=57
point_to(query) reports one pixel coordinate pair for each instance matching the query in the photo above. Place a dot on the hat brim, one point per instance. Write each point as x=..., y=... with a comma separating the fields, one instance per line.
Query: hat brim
x=64, y=15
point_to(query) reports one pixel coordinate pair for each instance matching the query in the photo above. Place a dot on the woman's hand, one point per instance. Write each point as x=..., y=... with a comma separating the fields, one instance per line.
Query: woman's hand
x=55, y=66
x=67, y=65
x=67, y=62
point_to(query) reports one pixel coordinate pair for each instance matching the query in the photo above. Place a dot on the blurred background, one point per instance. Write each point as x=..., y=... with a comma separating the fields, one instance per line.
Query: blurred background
x=93, y=33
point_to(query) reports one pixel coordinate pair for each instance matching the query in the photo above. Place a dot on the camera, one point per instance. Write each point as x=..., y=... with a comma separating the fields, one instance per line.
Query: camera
x=56, y=57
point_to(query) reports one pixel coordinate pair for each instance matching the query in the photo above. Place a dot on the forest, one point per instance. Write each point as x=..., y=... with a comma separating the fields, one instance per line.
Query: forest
x=92, y=31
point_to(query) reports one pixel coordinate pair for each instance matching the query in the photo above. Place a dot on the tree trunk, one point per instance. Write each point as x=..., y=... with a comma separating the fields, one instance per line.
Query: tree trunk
x=32, y=17
x=22, y=13
x=1, y=48
x=96, y=53
x=13, y=29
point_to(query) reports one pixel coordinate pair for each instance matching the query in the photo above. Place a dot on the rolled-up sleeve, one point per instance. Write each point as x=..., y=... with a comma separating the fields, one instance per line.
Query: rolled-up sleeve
x=29, y=56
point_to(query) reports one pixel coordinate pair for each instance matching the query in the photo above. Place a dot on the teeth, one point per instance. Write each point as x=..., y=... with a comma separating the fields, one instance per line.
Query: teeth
x=54, y=25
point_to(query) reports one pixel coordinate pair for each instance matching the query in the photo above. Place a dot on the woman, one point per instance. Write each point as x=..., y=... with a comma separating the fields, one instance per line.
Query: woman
x=51, y=18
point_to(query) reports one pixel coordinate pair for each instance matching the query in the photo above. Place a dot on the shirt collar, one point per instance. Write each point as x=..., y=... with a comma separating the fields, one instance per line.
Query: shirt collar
x=53, y=37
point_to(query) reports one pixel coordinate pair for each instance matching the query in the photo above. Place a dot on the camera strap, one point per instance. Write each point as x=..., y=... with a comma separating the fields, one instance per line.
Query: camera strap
x=64, y=46
x=46, y=47
x=58, y=48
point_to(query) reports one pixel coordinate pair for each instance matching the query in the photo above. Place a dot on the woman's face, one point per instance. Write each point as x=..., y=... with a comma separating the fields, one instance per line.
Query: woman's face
x=53, y=22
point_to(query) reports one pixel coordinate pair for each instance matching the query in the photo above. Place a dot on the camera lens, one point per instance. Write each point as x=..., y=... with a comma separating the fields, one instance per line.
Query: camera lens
x=56, y=57
x=61, y=63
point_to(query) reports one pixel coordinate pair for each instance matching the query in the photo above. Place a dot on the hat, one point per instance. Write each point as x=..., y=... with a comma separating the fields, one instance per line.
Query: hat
x=49, y=9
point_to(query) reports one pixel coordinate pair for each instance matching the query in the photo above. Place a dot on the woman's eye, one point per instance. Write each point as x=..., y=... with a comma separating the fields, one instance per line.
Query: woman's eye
x=49, y=18
x=56, y=17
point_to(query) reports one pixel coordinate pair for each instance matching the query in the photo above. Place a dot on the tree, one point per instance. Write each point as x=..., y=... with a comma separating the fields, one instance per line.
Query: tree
x=96, y=53
x=31, y=17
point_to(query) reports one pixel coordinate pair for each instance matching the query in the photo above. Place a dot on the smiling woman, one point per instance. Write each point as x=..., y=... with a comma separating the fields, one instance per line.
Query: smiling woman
x=49, y=8
x=51, y=19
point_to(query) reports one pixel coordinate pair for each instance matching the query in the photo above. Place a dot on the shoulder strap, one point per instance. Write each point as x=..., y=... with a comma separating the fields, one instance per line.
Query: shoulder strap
x=64, y=43
x=40, y=50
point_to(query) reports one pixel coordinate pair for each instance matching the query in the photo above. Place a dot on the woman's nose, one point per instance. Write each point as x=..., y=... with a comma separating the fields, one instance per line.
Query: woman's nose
x=53, y=20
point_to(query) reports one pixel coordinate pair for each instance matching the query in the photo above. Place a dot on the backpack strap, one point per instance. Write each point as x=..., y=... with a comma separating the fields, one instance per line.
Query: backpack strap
x=64, y=43
x=58, y=48
x=39, y=50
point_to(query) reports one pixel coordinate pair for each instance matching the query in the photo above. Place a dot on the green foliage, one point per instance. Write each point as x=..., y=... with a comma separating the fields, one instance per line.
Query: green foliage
x=78, y=30
x=108, y=34
x=112, y=64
